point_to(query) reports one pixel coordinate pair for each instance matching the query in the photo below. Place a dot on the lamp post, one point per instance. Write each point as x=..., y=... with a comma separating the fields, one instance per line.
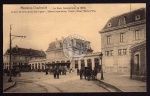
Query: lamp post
x=10, y=80
x=101, y=55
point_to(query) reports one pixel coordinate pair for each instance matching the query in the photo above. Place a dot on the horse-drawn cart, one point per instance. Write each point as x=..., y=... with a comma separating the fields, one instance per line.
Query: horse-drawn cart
x=14, y=72
x=90, y=74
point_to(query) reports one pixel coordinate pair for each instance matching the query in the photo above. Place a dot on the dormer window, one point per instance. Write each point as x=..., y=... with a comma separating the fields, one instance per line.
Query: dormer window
x=122, y=21
x=109, y=24
x=137, y=17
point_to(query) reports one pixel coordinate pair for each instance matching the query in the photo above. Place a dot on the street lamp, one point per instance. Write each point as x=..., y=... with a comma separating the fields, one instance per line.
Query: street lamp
x=10, y=80
x=101, y=55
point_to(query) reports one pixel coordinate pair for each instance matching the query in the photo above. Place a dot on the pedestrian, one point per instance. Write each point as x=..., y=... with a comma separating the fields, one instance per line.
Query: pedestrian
x=60, y=70
x=78, y=71
x=54, y=72
x=46, y=71
x=81, y=73
x=85, y=73
x=57, y=73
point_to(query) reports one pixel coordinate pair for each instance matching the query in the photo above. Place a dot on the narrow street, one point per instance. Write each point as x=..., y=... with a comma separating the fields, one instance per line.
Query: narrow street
x=38, y=82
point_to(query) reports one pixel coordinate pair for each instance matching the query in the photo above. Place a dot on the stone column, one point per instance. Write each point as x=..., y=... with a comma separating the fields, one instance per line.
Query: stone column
x=79, y=64
x=85, y=61
x=93, y=64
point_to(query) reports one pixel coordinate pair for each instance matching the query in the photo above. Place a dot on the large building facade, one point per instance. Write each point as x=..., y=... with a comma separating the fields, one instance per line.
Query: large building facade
x=56, y=57
x=117, y=37
x=21, y=57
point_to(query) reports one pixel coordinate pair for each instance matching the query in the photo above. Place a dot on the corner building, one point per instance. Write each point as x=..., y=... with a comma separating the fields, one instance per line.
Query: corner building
x=21, y=57
x=117, y=37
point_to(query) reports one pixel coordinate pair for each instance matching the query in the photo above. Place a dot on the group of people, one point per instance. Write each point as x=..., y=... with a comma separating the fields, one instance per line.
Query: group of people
x=56, y=71
x=88, y=73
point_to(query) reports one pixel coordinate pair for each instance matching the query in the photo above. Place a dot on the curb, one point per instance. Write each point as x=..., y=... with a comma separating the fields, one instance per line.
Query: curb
x=10, y=86
x=109, y=86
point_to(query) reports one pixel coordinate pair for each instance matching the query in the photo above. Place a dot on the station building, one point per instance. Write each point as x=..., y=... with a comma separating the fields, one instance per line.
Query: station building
x=56, y=57
x=117, y=39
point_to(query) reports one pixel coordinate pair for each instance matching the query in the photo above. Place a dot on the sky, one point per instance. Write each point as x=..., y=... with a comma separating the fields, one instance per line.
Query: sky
x=41, y=29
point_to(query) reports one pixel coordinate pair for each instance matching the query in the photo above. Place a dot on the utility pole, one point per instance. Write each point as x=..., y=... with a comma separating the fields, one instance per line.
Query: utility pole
x=130, y=7
x=10, y=80
x=10, y=64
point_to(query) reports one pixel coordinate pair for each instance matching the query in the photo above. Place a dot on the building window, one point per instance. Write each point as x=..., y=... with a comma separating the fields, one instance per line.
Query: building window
x=108, y=39
x=35, y=66
x=119, y=51
x=62, y=61
x=122, y=21
x=121, y=37
x=124, y=51
x=137, y=34
x=38, y=65
x=76, y=63
x=89, y=63
x=96, y=61
x=137, y=17
x=111, y=52
x=32, y=66
x=106, y=53
x=57, y=61
x=82, y=63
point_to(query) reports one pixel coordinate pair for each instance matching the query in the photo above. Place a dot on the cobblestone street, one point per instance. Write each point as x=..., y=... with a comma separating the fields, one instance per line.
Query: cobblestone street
x=38, y=82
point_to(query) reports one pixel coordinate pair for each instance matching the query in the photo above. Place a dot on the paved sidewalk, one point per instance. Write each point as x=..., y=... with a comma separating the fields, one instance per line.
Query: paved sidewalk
x=6, y=84
x=123, y=82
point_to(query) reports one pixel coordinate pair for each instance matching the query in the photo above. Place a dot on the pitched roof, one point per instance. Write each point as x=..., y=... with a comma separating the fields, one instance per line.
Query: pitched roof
x=52, y=45
x=24, y=51
x=129, y=17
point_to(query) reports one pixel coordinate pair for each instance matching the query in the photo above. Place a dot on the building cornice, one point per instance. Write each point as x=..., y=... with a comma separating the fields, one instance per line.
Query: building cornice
x=123, y=26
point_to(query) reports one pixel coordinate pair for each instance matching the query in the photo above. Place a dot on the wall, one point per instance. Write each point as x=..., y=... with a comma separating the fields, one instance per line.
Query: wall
x=120, y=63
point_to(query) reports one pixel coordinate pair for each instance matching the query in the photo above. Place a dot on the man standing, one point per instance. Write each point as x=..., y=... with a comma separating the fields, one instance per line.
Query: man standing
x=57, y=73
x=81, y=73
x=46, y=71
x=54, y=72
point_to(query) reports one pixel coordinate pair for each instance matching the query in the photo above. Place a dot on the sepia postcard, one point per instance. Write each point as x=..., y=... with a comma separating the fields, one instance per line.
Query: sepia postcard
x=74, y=48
